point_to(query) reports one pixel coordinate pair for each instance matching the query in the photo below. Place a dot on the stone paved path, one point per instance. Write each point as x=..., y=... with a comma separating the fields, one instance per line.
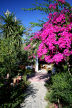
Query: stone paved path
x=36, y=92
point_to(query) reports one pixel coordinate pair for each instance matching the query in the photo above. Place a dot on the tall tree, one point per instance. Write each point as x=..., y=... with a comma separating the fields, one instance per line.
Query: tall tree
x=11, y=27
x=10, y=42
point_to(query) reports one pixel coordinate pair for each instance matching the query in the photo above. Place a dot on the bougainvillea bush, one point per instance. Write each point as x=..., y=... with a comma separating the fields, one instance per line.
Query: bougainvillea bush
x=55, y=38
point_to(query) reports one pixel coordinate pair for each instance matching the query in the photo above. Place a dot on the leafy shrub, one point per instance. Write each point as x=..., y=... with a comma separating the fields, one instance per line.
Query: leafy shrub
x=61, y=90
x=11, y=93
x=48, y=83
x=29, y=72
x=12, y=96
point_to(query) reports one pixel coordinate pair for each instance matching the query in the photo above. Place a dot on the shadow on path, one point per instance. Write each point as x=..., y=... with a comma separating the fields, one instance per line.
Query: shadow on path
x=43, y=76
x=36, y=91
x=31, y=91
x=39, y=77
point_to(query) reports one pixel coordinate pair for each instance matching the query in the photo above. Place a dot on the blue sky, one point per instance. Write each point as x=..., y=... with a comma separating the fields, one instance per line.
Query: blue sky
x=25, y=16
x=15, y=6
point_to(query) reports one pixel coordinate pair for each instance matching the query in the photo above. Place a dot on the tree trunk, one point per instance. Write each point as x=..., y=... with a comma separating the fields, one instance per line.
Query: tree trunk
x=59, y=105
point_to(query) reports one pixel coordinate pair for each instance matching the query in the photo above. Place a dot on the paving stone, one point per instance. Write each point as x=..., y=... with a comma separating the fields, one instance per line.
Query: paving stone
x=36, y=92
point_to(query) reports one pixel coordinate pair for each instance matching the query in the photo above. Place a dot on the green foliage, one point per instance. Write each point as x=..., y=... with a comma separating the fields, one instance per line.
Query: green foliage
x=23, y=56
x=12, y=28
x=29, y=71
x=49, y=83
x=8, y=55
x=10, y=43
x=12, y=96
x=65, y=68
x=36, y=24
x=43, y=8
x=61, y=90
x=11, y=57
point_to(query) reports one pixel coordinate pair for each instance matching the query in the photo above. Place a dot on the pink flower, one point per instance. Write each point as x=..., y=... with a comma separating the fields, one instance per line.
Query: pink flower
x=58, y=58
x=62, y=1
x=52, y=6
x=29, y=57
x=66, y=52
x=27, y=47
x=55, y=38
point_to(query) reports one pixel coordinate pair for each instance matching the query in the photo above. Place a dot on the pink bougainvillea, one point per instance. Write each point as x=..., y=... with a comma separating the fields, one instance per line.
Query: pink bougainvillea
x=62, y=1
x=27, y=47
x=56, y=36
x=52, y=6
x=55, y=42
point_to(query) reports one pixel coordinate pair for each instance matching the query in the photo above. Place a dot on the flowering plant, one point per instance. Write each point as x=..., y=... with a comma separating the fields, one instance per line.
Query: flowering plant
x=56, y=35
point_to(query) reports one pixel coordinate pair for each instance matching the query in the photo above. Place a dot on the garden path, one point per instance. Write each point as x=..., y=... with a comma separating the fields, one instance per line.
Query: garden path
x=36, y=91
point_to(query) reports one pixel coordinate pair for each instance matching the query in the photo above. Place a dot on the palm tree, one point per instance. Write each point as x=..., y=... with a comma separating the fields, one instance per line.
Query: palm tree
x=11, y=27
x=11, y=32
